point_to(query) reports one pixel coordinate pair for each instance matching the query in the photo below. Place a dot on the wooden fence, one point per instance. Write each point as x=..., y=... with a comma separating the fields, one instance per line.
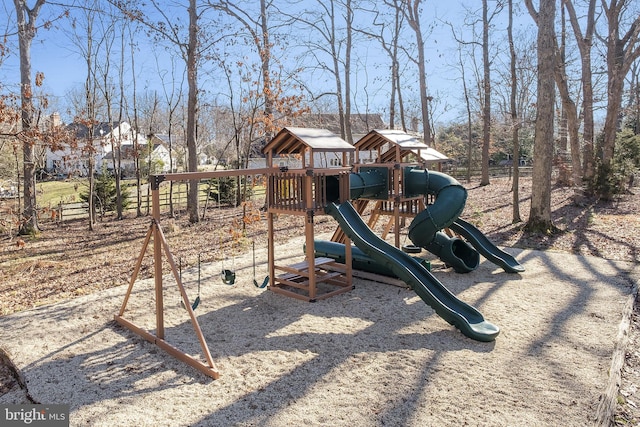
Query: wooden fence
x=460, y=173
x=74, y=210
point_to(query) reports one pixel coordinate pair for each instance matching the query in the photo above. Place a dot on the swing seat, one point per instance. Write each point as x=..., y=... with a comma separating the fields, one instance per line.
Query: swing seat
x=194, y=304
x=228, y=277
x=264, y=283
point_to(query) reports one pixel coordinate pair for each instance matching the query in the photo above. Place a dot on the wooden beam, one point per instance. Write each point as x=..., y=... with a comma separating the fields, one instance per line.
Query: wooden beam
x=210, y=371
x=188, y=176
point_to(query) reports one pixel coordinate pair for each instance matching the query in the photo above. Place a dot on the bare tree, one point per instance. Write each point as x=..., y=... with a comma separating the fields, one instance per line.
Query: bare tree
x=467, y=103
x=104, y=83
x=324, y=23
x=149, y=112
x=515, y=121
x=412, y=15
x=347, y=70
x=623, y=48
x=191, y=50
x=173, y=94
x=584, y=42
x=88, y=104
x=540, y=212
x=483, y=82
x=135, y=124
x=486, y=98
x=258, y=28
x=122, y=104
x=388, y=36
x=569, y=108
x=191, y=59
x=27, y=18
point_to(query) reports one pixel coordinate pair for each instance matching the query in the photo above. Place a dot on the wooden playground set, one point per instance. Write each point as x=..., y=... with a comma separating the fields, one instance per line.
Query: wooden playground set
x=302, y=191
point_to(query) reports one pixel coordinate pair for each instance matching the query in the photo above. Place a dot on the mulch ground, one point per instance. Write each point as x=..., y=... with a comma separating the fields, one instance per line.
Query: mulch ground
x=67, y=260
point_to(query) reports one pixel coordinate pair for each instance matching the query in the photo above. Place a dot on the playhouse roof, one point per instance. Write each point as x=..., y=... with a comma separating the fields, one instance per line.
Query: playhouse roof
x=407, y=143
x=432, y=155
x=379, y=137
x=291, y=140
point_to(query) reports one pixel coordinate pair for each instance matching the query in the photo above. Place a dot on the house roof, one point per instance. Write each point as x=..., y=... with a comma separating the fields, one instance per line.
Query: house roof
x=292, y=140
x=128, y=150
x=81, y=130
x=164, y=139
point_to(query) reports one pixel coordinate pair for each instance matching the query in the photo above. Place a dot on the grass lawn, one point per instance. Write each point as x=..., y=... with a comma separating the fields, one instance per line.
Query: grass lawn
x=51, y=193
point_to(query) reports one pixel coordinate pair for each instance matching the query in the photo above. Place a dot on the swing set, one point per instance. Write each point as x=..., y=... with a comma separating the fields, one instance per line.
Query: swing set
x=300, y=192
x=160, y=246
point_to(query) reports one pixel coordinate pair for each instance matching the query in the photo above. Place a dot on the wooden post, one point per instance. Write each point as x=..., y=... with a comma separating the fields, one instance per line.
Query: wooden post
x=157, y=262
x=307, y=197
x=396, y=204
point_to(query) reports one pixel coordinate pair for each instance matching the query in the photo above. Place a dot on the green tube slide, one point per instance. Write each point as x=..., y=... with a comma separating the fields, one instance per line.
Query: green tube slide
x=450, y=198
x=359, y=260
x=424, y=230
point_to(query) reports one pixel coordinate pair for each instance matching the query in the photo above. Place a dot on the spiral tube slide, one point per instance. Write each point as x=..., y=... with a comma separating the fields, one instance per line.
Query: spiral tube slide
x=456, y=312
x=424, y=230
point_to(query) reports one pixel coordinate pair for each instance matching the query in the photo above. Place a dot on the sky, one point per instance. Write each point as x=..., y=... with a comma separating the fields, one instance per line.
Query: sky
x=64, y=69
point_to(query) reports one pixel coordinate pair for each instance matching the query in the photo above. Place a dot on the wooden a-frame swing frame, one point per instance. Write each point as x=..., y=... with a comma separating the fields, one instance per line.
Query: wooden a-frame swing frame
x=160, y=244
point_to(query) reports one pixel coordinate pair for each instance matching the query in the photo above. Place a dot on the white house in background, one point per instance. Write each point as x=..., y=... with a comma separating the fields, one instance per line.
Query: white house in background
x=72, y=156
x=178, y=150
x=158, y=157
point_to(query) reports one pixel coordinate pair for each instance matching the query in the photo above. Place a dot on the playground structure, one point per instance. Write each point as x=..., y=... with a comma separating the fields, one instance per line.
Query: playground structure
x=398, y=184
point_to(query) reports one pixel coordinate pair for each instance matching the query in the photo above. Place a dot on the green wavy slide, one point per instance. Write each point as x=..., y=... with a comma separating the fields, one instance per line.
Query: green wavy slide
x=483, y=245
x=456, y=312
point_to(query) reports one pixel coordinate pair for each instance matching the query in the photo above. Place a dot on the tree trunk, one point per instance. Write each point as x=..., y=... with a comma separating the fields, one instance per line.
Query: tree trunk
x=393, y=51
x=265, y=57
x=392, y=96
x=136, y=128
x=540, y=212
x=90, y=200
x=467, y=103
x=486, y=106
x=612, y=119
x=336, y=73
x=26, y=32
x=621, y=53
x=413, y=18
x=570, y=119
x=347, y=73
x=570, y=111
x=192, y=104
x=584, y=46
x=515, y=125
